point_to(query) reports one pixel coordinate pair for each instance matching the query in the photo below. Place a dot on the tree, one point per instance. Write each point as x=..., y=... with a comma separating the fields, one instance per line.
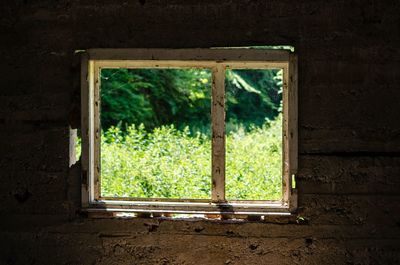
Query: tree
x=182, y=97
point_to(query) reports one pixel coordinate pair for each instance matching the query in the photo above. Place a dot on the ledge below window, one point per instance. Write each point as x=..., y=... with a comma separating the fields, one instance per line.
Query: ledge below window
x=191, y=210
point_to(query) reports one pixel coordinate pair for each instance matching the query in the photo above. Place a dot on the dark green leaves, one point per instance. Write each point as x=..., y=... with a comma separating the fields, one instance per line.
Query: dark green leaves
x=182, y=97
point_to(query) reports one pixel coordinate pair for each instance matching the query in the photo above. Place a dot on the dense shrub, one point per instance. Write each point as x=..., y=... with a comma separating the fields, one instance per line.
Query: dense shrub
x=171, y=163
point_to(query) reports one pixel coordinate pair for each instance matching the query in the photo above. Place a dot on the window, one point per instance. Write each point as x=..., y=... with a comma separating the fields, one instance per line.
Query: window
x=213, y=67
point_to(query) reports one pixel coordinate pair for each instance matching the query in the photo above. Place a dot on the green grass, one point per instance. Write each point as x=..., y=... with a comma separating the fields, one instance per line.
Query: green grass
x=171, y=163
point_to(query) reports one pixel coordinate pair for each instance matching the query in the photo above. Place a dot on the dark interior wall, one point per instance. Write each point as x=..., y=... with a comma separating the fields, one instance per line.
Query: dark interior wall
x=349, y=131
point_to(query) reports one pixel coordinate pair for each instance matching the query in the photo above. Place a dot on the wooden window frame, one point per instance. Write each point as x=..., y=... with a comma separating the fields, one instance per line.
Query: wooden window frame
x=217, y=60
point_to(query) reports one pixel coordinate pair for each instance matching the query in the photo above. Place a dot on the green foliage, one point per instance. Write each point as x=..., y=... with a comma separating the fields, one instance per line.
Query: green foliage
x=253, y=95
x=182, y=97
x=122, y=99
x=155, y=97
x=165, y=163
x=171, y=163
x=254, y=162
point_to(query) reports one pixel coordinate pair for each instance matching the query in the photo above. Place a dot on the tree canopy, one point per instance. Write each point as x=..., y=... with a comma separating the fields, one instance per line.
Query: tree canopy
x=182, y=97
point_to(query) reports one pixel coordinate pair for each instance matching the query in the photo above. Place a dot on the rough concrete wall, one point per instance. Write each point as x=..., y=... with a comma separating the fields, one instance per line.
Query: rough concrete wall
x=349, y=131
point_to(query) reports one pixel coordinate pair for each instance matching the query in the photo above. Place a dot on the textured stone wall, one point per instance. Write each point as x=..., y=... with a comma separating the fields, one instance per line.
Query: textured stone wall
x=349, y=131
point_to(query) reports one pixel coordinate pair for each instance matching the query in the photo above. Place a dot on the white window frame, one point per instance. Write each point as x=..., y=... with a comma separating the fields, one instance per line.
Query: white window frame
x=217, y=60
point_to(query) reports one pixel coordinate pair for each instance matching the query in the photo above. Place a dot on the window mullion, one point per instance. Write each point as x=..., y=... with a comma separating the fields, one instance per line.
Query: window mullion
x=218, y=133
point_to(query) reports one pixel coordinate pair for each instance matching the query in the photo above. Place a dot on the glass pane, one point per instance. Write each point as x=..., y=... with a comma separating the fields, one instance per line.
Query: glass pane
x=155, y=133
x=253, y=134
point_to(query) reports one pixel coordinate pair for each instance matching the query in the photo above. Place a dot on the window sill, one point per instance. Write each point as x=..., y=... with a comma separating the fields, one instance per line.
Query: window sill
x=123, y=214
x=243, y=207
x=274, y=212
